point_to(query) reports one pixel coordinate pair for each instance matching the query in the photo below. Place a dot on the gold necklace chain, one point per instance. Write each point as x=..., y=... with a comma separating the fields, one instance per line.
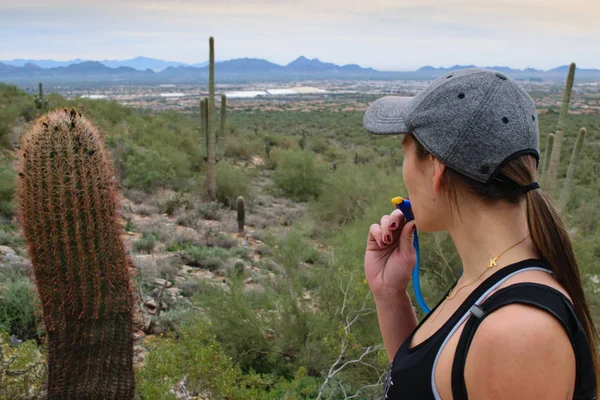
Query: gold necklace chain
x=492, y=264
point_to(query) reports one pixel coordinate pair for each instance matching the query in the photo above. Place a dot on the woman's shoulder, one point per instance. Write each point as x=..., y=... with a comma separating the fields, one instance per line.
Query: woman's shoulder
x=536, y=276
x=521, y=351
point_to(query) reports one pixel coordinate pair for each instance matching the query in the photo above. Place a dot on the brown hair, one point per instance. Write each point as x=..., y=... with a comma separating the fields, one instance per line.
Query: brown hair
x=546, y=228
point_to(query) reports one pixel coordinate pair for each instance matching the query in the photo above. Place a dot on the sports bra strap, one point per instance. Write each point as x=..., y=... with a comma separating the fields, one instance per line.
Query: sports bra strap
x=546, y=298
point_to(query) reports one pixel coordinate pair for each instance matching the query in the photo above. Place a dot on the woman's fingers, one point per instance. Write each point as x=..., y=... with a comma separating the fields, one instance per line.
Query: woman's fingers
x=390, y=224
x=375, y=236
x=383, y=234
x=397, y=219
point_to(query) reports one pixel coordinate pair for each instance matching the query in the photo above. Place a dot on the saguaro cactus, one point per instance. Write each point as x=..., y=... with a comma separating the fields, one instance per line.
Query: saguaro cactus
x=552, y=172
x=67, y=207
x=547, y=154
x=40, y=102
x=221, y=136
x=214, y=148
x=268, y=147
x=241, y=214
x=565, y=194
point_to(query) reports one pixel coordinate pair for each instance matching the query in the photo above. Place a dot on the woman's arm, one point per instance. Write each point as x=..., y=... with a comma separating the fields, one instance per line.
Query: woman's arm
x=520, y=352
x=397, y=319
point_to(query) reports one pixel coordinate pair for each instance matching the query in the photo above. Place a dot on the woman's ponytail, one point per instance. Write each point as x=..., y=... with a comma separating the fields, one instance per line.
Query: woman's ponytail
x=546, y=228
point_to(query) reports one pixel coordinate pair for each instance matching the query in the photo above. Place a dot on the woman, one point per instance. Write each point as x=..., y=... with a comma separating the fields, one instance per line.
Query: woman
x=516, y=324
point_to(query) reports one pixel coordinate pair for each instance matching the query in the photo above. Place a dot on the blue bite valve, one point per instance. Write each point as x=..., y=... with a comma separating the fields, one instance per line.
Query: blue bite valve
x=403, y=205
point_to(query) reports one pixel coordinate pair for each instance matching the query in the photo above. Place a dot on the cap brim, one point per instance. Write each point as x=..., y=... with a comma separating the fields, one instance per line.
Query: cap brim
x=387, y=115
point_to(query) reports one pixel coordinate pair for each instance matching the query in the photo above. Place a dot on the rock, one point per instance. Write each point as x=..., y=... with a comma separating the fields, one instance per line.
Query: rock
x=174, y=291
x=4, y=250
x=161, y=282
x=151, y=304
x=15, y=262
x=203, y=274
x=248, y=280
x=184, y=270
x=138, y=336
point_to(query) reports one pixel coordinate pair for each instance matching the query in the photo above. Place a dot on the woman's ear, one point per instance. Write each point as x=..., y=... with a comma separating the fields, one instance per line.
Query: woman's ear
x=438, y=173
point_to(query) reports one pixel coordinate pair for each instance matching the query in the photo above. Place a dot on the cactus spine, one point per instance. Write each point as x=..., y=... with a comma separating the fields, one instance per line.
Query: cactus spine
x=40, y=102
x=215, y=145
x=551, y=175
x=68, y=210
x=241, y=214
x=565, y=194
x=547, y=153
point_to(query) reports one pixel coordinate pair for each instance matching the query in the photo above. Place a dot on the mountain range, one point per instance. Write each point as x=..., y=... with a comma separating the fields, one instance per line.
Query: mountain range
x=143, y=70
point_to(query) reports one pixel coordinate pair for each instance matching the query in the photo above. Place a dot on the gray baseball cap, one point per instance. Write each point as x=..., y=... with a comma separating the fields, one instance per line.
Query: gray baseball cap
x=473, y=120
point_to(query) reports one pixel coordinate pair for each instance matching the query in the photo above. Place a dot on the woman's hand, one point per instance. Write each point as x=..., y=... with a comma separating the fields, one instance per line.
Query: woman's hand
x=390, y=256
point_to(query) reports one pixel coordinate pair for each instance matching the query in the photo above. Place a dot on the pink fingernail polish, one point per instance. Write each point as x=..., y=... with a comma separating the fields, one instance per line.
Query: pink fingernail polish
x=392, y=224
x=388, y=238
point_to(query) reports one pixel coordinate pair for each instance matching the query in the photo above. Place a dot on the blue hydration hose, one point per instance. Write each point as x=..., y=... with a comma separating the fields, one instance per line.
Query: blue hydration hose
x=403, y=204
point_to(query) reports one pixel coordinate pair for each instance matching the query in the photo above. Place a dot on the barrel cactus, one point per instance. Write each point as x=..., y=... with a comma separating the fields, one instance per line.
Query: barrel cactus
x=66, y=193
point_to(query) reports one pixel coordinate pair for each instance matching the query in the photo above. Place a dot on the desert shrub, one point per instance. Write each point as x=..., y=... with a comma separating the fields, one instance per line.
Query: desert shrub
x=273, y=160
x=189, y=288
x=318, y=144
x=242, y=148
x=226, y=242
x=7, y=189
x=212, y=211
x=231, y=183
x=195, y=357
x=205, y=257
x=298, y=176
x=129, y=226
x=171, y=202
x=241, y=252
x=18, y=304
x=135, y=195
x=348, y=191
x=146, y=243
x=150, y=168
x=10, y=237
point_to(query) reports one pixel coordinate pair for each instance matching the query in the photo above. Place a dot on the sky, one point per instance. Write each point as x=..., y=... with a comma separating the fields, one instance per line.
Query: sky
x=389, y=35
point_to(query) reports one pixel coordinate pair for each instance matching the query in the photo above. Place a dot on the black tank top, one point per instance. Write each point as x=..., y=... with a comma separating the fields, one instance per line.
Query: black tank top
x=409, y=375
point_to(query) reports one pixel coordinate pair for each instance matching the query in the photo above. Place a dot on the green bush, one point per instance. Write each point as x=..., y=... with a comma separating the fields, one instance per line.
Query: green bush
x=194, y=356
x=211, y=210
x=7, y=190
x=146, y=243
x=10, y=237
x=231, y=183
x=298, y=175
x=18, y=304
x=349, y=191
x=205, y=257
x=174, y=202
x=149, y=169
